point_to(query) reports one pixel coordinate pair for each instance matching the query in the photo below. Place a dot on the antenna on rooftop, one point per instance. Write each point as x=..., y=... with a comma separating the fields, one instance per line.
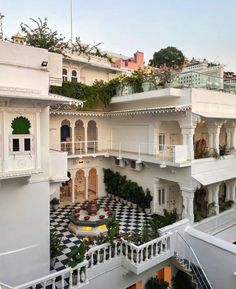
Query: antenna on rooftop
x=1, y=29
x=71, y=22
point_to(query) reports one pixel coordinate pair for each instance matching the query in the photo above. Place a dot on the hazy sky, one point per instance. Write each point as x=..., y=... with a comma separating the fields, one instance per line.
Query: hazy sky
x=200, y=28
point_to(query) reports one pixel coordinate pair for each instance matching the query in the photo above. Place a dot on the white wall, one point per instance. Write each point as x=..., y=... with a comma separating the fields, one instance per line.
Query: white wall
x=217, y=257
x=24, y=223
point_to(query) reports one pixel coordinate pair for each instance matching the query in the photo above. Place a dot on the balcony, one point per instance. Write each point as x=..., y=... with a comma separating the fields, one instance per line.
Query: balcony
x=174, y=155
x=138, y=259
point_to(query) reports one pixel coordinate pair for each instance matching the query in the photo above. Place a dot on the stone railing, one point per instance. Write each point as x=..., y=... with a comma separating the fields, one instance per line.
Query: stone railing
x=136, y=259
x=63, y=279
x=101, y=253
x=140, y=258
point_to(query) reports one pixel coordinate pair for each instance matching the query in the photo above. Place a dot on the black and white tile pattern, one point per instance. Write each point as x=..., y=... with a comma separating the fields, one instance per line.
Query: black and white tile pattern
x=130, y=220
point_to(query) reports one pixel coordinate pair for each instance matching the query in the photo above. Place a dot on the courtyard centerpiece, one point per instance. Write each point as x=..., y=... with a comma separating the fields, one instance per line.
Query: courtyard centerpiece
x=90, y=220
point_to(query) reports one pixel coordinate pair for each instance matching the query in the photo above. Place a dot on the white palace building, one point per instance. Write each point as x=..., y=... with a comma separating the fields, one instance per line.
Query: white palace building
x=179, y=142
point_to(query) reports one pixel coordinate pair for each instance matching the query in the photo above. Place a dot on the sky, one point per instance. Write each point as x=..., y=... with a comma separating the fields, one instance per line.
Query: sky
x=199, y=28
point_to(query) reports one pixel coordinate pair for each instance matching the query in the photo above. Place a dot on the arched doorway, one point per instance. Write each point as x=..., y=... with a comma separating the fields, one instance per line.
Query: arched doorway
x=65, y=136
x=66, y=190
x=92, y=136
x=79, y=136
x=80, y=186
x=92, y=184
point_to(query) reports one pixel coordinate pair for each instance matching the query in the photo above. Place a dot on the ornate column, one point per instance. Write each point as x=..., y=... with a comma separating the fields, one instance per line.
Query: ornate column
x=231, y=134
x=214, y=135
x=72, y=186
x=73, y=137
x=86, y=175
x=215, y=189
x=85, y=136
x=156, y=139
x=188, y=197
x=210, y=194
x=187, y=134
x=154, y=205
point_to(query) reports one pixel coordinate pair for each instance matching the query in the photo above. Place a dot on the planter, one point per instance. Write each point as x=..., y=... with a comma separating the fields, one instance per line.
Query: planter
x=52, y=262
x=129, y=204
x=109, y=195
x=148, y=211
x=117, y=199
x=146, y=86
x=55, y=207
x=134, y=206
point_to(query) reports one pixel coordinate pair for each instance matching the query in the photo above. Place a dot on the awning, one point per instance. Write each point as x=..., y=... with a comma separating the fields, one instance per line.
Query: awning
x=215, y=176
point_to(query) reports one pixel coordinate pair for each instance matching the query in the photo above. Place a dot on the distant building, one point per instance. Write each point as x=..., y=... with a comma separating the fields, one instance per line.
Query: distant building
x=18, y=38
x=134, y=63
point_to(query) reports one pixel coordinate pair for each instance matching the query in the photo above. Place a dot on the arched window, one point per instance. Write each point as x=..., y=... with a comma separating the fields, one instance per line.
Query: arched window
x=64, y=74
x=74, y=76
x=21, y=141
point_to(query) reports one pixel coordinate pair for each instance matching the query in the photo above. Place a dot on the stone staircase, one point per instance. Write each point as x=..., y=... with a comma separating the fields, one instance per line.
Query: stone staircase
x=191, y=266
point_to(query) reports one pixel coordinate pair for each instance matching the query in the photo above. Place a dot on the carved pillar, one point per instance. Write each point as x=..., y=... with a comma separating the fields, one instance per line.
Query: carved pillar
x=73, y=138
x=188, y=197
x=72, y=186
x=154, y=205
x=85, y=137
x=86, y=175
x=214, y=135
x=187, y=135
x=215, y=189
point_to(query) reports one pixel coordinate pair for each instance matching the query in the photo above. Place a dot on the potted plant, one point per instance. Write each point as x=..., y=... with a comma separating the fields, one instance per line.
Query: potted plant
x=148, y=199
x=55, y=203
x=55, y=247
x=77, y=256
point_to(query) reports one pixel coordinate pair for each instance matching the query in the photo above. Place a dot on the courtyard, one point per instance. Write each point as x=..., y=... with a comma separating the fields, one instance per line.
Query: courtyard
x=131, y=220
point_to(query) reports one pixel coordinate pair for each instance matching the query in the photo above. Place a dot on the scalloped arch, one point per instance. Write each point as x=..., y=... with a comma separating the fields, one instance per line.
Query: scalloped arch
x=20, y=125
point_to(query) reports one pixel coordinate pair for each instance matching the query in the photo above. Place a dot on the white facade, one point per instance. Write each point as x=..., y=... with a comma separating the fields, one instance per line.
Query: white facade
x=150, y=137
x=25, y=160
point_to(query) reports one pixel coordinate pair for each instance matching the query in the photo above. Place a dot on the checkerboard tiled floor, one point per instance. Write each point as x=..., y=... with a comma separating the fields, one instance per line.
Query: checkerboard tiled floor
x=130, y=220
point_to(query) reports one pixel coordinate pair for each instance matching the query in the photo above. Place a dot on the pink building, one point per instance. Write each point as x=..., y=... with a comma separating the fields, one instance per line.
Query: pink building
x=132, y=63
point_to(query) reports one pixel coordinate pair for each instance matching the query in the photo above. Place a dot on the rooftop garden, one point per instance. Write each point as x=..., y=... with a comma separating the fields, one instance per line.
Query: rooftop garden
x=98, y=95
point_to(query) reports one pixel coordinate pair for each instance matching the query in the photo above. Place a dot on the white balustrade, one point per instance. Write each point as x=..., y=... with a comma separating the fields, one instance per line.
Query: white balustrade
x=142, y=254
x=74, y=276
x=138, y=151
x=77, y=276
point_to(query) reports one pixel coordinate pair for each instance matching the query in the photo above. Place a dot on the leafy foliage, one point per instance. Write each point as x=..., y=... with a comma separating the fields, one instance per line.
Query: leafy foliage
x=77, y=255
x=89, y=49
x=155, y=283
x=112, y=229
x=55, y=245
x=43, y=37
x=169, y=56
x=118, y=185
x=96, y=96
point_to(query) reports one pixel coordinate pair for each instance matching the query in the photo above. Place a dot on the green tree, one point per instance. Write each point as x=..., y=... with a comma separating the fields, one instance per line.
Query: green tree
x=42, y=36
x=169, y=56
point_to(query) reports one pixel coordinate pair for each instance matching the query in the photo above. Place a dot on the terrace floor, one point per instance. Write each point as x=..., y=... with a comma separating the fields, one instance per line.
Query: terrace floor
x=130, y=220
